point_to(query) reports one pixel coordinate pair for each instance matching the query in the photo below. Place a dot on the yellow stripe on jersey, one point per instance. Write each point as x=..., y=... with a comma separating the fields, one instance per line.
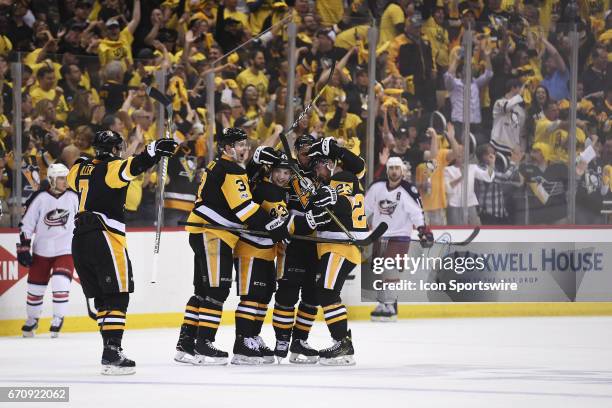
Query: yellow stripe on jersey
x=246, y=250
x=212, y=247
x=117, y=250
x=72, y=175
x=118, y=173
x=350, y=252
x=332, y=271
x=246, y=265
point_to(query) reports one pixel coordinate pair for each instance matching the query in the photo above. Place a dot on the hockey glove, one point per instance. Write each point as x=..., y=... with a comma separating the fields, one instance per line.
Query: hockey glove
x=267, y=155
x=317, y=217
x=425, y=236
x=278, y=230
x=24, y=257
x=161, y=148
x=325, y=147
x=325, y=196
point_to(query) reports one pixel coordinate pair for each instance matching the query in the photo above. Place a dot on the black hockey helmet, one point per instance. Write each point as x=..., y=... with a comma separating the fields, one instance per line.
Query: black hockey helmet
x=304, y=140
x=105, y=141
x=231, y=136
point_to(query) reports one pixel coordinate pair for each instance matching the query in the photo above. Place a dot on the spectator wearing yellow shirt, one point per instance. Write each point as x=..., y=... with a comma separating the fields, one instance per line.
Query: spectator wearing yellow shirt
x=117, y=45
x=144, y=120
x=331, y=11
x=254, y=74
x=343, y=125
x=430, y=175
x=46, y=89
x=392, y=21
x=231, y=11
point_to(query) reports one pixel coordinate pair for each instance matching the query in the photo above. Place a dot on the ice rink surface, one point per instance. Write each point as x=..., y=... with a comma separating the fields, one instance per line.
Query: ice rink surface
x=507, y=362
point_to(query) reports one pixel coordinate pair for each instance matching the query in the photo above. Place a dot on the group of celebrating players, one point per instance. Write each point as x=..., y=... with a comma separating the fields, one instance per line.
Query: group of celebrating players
x=267, y=196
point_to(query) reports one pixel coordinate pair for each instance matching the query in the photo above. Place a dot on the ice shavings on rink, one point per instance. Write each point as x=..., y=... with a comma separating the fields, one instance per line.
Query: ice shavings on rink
x=534, y=362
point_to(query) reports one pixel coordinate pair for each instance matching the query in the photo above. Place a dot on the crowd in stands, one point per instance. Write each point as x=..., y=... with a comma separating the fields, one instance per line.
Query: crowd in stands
x=85, y=66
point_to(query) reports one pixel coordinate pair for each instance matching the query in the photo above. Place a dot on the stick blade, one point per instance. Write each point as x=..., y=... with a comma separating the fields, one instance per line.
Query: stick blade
x=469, y=239
x=374, y=236
x=159, y=96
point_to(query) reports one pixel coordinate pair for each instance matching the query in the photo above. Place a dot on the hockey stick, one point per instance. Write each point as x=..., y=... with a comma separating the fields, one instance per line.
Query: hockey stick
x=374, y=235
x=166, y=102
x=465, y=242
x=293, y=163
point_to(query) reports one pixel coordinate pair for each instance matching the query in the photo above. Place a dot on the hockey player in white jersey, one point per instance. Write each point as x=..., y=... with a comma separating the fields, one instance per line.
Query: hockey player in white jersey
x=396, y=202
x=46, y=228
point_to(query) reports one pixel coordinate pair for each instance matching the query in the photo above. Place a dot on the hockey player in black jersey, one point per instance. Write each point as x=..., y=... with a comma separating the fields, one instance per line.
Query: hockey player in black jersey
x=298, y=279
x=224, y=198
x=336, y=261
x=254, y=259
x=99, y=245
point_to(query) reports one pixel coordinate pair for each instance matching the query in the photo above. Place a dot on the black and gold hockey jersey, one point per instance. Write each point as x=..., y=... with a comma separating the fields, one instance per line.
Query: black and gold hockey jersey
x=224, y=198
x=350, y=210
x=102, y=187
x=180, y=193
x=273, y=200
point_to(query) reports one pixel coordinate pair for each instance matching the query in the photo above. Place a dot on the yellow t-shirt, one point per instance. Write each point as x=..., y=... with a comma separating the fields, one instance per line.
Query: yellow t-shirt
x=239, y=16
x=438, y=39
x=436, y=199
x=556, y=139
x=134, y=194
x=348, y=38
x=259, y=80
x=120, y=50
x=392, y=16
x=5, y=45
x=346, y=131
x=61, y=108
x=257, y=18
x=331, y=11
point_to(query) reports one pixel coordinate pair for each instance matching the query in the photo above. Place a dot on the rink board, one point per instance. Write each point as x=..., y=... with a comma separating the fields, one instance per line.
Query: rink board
x=162, y=304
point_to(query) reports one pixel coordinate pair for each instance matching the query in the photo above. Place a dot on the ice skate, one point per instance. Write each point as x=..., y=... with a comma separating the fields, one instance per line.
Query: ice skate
x=266, y=353
x=302, y=353
x=29, y=326
x=384, y=312
x=207, y=354
x=185, y=350
x=282, y=348
x=246, y=351
x=341, y=353
x=56, y=325
x=114, y=362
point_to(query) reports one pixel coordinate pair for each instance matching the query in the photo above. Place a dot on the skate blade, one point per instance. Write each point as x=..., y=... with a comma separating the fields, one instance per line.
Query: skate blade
x=390, y=319
x=28, y=334
x=338, y=361
x=182, y=357
x=268, y=359
x=279, y=359
x=302, y=359
x=114, y=370
x=201, y=360
x=245, y=360
x=54, y=335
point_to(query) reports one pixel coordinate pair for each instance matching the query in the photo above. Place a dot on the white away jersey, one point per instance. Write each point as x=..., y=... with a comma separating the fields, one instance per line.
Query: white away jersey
x=51, y=218
x=400, y=208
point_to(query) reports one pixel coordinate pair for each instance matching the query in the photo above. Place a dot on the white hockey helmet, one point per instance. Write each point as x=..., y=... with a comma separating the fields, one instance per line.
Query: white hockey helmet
x=57, y=170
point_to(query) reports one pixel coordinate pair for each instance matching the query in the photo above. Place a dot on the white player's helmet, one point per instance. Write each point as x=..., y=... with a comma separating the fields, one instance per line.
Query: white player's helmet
x=57, y=170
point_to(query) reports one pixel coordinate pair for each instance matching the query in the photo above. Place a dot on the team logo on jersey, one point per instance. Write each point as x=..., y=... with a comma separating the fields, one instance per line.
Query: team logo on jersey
x=56, y=218
x=387, y=207
x=189, y=167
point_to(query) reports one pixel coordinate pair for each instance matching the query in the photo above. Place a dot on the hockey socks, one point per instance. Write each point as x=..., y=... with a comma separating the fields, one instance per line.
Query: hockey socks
x=111, y=324
x=35, y=300
x=306, y=316
x=262, y=310
x=282, y=320
x=246, y=312
x=60, y=284
x=209, y=319
x=336, y=320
